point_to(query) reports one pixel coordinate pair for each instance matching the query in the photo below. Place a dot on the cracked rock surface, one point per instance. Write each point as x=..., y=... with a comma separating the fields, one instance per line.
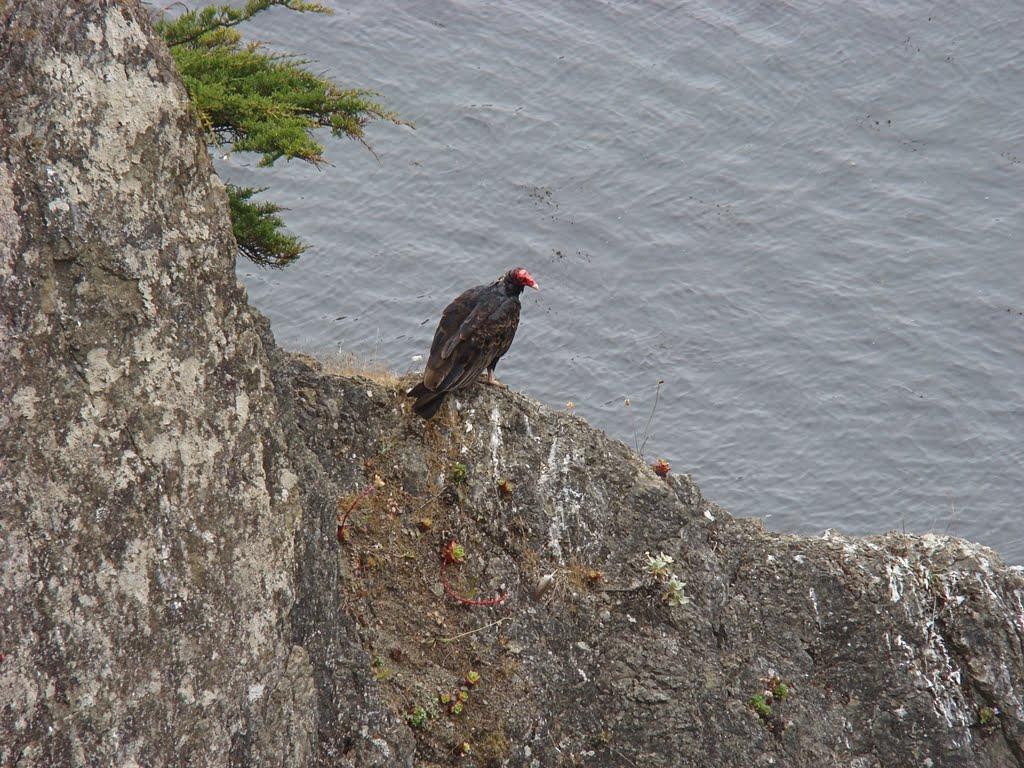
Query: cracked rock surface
x=149, y=512
x=175, y=589
x=892, y=650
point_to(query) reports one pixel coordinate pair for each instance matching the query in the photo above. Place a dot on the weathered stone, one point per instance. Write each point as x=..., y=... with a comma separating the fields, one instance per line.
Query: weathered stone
x=172, y=586
x=889, y=647
x=149, y=507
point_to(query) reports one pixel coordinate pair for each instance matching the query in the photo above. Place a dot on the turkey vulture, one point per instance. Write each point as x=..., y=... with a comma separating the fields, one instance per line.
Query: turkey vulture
x=475, y=331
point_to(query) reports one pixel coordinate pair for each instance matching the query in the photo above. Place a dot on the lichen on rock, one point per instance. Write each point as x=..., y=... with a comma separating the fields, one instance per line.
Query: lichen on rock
x=174, y=590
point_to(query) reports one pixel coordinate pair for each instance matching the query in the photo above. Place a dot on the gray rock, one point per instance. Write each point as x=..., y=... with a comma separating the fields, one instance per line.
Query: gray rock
x=150, y=511
x=891, y=649
x=172, y=589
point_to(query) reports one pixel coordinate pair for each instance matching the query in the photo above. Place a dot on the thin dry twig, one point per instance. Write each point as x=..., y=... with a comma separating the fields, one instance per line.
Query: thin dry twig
x=650, y=417
x=430, y=501
x=474, y=631
x=952, y=514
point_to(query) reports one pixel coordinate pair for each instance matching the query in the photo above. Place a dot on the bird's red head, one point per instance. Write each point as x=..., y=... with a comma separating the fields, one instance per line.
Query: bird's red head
x=521, y=277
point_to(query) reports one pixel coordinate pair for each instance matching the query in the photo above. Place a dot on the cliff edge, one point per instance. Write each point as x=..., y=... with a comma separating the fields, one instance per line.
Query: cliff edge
x=218, y=553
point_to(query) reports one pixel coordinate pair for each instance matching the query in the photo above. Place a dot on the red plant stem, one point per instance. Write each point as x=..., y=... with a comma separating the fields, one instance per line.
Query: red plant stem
x=343, y=523
x=448, y=590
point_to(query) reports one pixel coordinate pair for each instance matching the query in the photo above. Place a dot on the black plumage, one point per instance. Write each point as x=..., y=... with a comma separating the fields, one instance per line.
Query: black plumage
x=476, y=329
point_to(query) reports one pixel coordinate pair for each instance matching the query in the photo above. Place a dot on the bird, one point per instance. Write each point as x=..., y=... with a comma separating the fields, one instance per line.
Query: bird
x=475, y=330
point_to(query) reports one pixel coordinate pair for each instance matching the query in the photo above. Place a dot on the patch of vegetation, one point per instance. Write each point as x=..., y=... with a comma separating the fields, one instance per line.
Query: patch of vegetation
x=381, y=672
x=455, y=554
x=766, y=703
x=658, y=565
x=251, y=100
x=259, y=231
x=417, y=718
x=459, y=473
x=759, y=703
x=349, y=364
x=988, y=719
x=429, y=640
x=673, y=590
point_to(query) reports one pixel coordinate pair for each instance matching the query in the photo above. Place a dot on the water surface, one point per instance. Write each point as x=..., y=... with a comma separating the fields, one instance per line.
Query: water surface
x=805, y=218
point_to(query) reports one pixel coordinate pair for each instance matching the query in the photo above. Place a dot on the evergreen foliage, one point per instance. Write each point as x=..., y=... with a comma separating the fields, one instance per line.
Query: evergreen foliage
x=253, y=100
x=258, y=229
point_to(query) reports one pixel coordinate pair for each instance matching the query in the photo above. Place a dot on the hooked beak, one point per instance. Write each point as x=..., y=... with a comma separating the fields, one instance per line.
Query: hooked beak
x=535, y=286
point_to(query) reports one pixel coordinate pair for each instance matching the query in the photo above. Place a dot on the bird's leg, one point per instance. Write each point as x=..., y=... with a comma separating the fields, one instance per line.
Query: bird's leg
x=493, y=381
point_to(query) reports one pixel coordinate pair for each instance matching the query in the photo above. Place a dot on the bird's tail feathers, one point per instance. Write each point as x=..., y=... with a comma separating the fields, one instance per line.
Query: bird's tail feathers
x=428, y=402
x=417, y=391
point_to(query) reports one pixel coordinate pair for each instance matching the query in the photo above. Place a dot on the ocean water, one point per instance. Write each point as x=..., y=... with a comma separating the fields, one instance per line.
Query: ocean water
x=806, y=219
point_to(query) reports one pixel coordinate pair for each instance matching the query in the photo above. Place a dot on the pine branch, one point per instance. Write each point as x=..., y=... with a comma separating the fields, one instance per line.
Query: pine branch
x=192, y=25
x=252, y=100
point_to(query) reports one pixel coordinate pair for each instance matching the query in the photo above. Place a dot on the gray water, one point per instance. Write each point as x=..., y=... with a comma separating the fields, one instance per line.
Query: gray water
x=806, y=218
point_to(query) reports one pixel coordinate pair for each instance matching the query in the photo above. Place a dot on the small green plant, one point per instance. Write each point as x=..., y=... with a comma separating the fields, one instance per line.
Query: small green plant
x=472, y=677
x=675, y=594
x=455, y=553
x=458, y=473
x=658, y=565
x=759, y=703
x=457, y=708
x=417, y=718
x=775, y=692
x=988, y=719
x=463, y=695
x=673, y=588
x=381, y=671
x=445, y=698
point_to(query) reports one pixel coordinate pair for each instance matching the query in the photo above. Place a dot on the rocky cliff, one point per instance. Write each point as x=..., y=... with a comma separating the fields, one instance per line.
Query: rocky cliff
x=177, y=587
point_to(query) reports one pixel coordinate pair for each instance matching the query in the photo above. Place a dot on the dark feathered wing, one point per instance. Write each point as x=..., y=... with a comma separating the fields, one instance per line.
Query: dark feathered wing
x=475, y=330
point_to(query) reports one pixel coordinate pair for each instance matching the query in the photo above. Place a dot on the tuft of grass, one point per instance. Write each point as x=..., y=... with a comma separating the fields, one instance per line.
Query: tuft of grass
x=639, y=444
x=349, y=365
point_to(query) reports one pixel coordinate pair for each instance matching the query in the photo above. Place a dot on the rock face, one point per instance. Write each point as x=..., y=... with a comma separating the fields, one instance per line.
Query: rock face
x=889, y=651
x=149, y=509
x=173, y=590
